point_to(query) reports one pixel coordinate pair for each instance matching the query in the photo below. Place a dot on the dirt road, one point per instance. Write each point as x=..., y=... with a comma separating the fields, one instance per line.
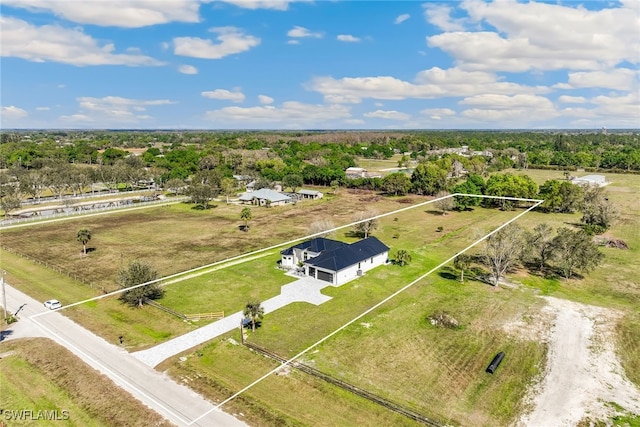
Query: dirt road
x=583, y=374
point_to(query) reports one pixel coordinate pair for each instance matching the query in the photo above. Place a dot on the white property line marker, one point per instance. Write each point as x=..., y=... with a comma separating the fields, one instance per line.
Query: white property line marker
x=355, y=319
x=110, y=373
x=248, y=254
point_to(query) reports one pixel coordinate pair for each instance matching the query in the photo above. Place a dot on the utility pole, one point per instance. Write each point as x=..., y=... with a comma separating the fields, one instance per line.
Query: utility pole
x=4, y=298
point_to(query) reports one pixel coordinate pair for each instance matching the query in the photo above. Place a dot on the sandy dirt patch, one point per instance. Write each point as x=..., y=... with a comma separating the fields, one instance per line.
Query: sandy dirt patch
x=583, y=374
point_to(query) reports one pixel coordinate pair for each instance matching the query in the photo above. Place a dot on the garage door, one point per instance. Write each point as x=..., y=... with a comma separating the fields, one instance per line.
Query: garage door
x=323, y=275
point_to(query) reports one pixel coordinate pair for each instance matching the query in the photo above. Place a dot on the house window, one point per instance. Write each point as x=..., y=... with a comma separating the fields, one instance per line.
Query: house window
x=371, y=260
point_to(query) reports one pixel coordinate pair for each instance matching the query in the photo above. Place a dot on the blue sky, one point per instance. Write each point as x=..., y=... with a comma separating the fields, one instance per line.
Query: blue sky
x=272, y=64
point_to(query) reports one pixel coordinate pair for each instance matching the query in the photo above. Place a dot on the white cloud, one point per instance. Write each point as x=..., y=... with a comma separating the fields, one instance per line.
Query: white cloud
x=302, y=32
x=54, y=43
x=440, y=16
x=618, y=79
x=348, y=38
x=378, y=104
x=618, y=110
x=223, y=94
x=113, y=110
x=12, y=113
x=291, y=114
x=543, y=36
x=231, y=40
x=42, y=108
x=432, y=83
x=565, y=99
x=401, y=18
x=388, y=115
x=262, y=4
x=438, y=113
x=264, y=99
x=508, y=102
x=188, y=69
x=293, y=41
x=116, y=13
x=509, y=111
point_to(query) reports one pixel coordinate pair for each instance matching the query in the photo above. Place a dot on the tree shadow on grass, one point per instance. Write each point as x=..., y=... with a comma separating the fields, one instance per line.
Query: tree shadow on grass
x=448, y=273
x=434, y=212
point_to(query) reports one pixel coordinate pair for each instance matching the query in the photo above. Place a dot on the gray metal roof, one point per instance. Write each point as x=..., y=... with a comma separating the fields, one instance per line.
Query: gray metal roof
x=348, y=255
x=309, y=192
x=317, y=245
x=265, y=193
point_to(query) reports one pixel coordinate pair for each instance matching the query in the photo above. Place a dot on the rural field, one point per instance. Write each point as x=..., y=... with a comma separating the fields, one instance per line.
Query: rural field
x=393, y=352
x=40, y=374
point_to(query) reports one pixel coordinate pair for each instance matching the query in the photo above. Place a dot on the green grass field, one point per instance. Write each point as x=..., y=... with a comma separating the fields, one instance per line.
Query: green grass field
x=393, y=351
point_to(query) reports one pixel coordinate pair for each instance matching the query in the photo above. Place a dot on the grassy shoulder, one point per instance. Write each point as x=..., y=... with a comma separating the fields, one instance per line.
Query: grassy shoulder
x=220, y=368
x=40, y=375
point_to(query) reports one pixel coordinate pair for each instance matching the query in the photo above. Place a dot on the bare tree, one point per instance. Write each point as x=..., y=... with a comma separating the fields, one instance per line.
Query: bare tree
x=322, y=227
x=366, y=223
x=502, y=251
x=443, y=202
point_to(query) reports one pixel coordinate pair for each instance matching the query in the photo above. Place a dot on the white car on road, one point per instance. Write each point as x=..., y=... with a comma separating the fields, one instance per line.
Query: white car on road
x=52, y=304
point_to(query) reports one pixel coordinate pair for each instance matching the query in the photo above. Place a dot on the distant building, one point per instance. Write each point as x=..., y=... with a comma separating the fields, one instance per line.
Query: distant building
x=355, y=172
x=265, y=197
x=310, y=194
x=590, y=180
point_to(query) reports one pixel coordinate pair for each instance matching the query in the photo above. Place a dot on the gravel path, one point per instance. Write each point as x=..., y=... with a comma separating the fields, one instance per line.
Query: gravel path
x=583, y=372
x=305, y=289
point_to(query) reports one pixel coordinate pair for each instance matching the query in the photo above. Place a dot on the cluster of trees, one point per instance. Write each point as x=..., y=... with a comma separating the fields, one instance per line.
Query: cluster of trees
x=611, y=150
x=202, y=165
x=565, y=252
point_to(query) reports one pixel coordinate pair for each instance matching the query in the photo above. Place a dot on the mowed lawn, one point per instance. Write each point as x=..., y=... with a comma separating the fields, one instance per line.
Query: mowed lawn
x=176, y=238
x=172, y=239
x=393, y=351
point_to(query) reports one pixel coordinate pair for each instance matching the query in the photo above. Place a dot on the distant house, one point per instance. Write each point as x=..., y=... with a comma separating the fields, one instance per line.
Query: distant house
x=310, y=194
x=333, y=261
x=265, y=197
x=590, y=181
x=355, y=173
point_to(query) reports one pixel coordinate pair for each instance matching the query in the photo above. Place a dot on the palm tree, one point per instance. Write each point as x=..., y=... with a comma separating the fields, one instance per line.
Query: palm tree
x=462, y=263
x=403, y=257
x=253, y=312
x=246, y=216
x=84, y=235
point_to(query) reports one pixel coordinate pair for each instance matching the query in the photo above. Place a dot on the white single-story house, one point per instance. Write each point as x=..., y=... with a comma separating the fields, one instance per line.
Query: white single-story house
x=590, y=180
x=265, y=197
x=333, y=261
x=310, y=194
x=354, y=172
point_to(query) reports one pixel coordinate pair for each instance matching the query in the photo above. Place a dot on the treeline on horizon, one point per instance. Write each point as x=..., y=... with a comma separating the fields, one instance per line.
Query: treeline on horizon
x=179, y=151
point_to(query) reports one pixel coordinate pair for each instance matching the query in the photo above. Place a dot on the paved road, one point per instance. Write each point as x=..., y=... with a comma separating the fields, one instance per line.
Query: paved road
x=175, y=402
x=305, y=289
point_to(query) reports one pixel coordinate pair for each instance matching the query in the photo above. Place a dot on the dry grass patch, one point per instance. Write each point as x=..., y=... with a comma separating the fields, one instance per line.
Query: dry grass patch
x=38, y=374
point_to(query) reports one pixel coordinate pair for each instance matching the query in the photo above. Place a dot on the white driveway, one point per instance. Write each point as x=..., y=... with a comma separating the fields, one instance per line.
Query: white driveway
x=305, y=289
